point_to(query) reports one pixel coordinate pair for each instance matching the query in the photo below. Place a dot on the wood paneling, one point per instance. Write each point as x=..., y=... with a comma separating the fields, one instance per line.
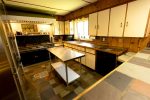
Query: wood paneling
x=131, y=43
x=94, y=7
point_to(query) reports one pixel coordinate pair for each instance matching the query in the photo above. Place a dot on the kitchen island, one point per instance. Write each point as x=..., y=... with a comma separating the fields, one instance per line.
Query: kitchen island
x=61, y=67
x=129, y=81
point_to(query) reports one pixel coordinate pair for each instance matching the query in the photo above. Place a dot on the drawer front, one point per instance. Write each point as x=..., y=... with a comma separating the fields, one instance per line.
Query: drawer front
x=90, y=51
x=81, y=49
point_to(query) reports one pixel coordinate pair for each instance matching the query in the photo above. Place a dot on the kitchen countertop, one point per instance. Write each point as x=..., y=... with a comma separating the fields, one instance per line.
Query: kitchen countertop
x=105, y=48
x=129, y=81
x=65, y=54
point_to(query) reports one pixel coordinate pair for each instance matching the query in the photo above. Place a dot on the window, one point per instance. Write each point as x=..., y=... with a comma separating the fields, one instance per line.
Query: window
x=79, y=28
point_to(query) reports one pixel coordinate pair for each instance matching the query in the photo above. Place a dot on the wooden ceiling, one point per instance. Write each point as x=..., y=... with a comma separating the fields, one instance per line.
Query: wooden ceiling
x=54, y=7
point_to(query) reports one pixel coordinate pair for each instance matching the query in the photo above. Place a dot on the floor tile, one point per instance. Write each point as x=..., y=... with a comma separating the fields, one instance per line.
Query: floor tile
x=142, y=55
x=140, y=61
x=132, y=95
x=52, y=81
x=103, y=91
x=135, y=71
x=141, y=87
x=119, y=80
x=58, y=89
x=64, y=93
x=70, y=96
x=78, y=90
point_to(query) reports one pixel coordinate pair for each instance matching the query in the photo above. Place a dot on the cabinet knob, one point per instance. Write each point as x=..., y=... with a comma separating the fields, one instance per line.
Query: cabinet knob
x=126, y=24
x=121, y=24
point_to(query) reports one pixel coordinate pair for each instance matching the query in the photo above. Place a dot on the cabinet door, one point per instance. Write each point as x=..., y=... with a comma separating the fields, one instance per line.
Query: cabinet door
x=61, y=27
x=90, y=60
x=137, y=16
x=67, y=27
x=56, y=28
x=103, y=21
x=117, y=18
x=93, y=24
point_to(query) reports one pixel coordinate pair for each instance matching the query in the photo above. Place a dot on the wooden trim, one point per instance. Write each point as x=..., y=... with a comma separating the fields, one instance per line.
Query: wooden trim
x=109, y=22
x=147, y=24
x=125, y=20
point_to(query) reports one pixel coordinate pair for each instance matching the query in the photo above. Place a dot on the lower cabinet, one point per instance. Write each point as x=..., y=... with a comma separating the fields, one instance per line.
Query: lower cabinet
x=105, y=62
x=35, y=56
x=90, y=60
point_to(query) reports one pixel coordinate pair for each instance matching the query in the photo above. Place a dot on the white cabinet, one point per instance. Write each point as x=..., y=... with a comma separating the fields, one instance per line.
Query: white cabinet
x=90, y=60
x=67, y=27
x=59, y=27
x=93, y=24
x=117, y=18
x=103, y=22
x=137, y=17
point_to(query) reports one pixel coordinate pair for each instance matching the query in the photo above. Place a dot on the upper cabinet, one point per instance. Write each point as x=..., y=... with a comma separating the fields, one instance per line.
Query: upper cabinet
x=117, y=19
x=59, y=27
x=137, y=18
x=103, y=22
x=93, y=24
x=67, y=27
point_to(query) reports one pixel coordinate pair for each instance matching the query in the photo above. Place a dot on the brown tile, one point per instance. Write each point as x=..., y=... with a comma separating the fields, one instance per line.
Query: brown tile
x=141, y=87
x=140, y=61
x=103, y=91
x=119, y=80
x=132, y=95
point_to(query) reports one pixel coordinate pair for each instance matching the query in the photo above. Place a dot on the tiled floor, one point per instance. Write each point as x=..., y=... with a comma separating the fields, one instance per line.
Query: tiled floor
x=49, y=86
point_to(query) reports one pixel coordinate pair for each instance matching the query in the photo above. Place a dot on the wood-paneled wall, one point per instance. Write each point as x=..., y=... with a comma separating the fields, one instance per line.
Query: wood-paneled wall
x=131, y=43
x=94, y=7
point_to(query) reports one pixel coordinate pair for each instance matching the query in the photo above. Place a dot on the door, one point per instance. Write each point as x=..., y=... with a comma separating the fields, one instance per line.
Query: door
x=93, y=24
x=117, y=19
x=137, y=16
x=103, y=22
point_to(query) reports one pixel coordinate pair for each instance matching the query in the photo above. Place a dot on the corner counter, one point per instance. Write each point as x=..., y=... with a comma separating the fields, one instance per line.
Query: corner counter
x=129, y=81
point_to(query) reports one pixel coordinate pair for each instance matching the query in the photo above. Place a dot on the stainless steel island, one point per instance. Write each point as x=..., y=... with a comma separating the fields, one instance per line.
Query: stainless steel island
x=61, y=67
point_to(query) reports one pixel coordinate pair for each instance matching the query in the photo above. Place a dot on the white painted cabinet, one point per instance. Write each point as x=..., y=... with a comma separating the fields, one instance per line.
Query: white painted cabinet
x=103, y=22
x=137, y=17
x=67, y=27
x=59, y=27
x=90, y=60
x=93, y=24
x=117, y=19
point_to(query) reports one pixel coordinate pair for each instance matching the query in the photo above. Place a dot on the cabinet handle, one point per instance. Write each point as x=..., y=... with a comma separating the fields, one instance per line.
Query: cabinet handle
x=95, y=26
x=121, y=24
x=126, y=24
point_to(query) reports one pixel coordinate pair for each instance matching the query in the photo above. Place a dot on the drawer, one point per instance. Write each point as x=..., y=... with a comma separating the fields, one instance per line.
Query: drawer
x=81, y=48
x=92, y=51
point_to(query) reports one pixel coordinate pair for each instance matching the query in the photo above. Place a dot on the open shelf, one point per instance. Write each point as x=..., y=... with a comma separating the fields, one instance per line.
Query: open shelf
x=60, y=69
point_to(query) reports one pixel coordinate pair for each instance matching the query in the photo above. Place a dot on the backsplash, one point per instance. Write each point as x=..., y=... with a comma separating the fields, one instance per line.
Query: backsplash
x=131, y=43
